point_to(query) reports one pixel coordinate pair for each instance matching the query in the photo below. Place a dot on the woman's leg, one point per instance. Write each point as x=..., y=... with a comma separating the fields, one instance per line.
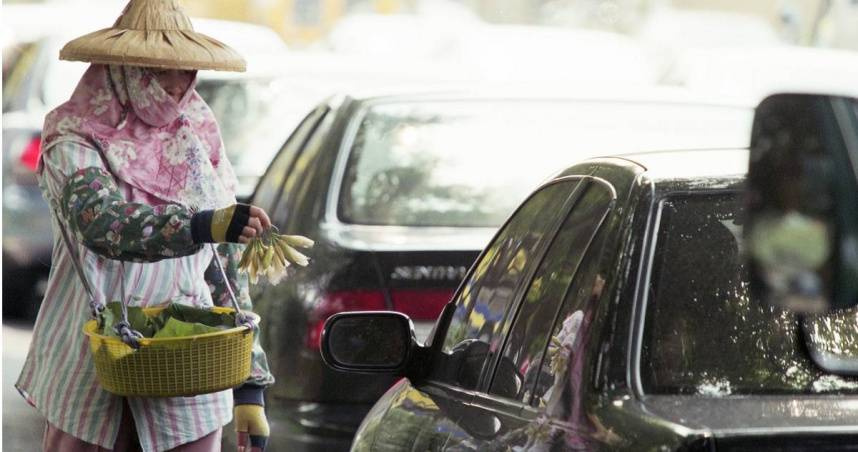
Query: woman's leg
x=208, y=443
x=56, y=440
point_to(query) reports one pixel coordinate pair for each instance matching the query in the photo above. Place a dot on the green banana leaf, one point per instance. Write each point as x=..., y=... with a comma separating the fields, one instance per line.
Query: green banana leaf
x=136, y=318
x=197, y=315
x=178, y=328
x=152, y=326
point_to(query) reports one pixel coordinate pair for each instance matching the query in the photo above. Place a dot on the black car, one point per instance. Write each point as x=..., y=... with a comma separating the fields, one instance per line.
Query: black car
x=610, y=312
x=401, y=192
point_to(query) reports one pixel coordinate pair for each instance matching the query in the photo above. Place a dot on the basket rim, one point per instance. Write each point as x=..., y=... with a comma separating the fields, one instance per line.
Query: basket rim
x=91, y=326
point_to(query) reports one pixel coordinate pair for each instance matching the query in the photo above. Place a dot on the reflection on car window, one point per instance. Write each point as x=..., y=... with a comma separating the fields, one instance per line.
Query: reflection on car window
x=296, y=180
x=471, y=162
x=488, y=292
x=705, y=334
x=447, y=163
x=560, y=386
x=272, y=182
x=527, y=341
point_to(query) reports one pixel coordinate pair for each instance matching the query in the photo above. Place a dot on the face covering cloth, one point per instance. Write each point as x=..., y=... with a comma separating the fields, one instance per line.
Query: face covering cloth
x=172, y=151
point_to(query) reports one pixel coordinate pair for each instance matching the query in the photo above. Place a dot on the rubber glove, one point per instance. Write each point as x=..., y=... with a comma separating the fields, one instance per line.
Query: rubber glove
x=237, y=223
x=252, y=427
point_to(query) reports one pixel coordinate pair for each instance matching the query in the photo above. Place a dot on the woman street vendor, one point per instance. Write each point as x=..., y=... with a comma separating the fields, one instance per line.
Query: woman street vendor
x=134, y=169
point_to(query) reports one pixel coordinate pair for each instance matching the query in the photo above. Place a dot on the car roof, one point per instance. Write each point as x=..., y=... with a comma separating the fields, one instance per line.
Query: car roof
x=590, y=92
x=664, y=166
x=692, y=164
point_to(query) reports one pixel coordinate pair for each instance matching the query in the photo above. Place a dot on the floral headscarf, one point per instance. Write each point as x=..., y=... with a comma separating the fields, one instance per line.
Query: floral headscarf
x=170, y=150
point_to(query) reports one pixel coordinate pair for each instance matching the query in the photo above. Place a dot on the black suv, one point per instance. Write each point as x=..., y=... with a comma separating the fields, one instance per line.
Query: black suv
x=610, y=312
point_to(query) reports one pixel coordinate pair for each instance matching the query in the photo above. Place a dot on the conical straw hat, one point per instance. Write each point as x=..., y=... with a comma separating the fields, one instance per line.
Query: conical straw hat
x=154, y=33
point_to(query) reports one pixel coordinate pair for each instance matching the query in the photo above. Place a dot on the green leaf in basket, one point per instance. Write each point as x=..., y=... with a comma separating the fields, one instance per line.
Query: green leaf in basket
x=158, y=321
x=200, y=315
x=108, y=320
x=136, y=318
x=178, y=328
x=140, y=321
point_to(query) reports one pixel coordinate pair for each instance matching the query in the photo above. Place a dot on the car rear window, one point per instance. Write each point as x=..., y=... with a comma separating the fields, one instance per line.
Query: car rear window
x=705, y=334
x=470, y=163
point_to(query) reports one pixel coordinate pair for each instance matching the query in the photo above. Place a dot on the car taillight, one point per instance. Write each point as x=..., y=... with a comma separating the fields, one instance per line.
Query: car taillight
x=334, y=302
x=421, y=304
x=30, y=155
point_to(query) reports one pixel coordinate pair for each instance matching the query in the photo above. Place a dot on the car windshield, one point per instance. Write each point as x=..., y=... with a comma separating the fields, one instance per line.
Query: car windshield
x=705, y=334
x=469, y=163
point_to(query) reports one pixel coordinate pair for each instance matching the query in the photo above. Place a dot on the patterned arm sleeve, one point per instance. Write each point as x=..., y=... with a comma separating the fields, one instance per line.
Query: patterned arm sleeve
x=260, y=377
x=77, y=185
x=107, y=224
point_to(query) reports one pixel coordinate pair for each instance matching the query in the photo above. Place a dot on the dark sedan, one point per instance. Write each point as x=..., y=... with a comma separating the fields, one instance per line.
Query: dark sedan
x=401, y=193
x=611, y=312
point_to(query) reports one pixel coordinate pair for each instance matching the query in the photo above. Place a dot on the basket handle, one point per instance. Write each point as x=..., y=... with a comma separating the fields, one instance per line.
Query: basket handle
x=241, y=319
x=122, y=328
x=95, y=307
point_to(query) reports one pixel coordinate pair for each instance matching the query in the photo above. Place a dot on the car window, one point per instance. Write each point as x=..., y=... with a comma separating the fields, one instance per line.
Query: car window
x=271, y=183
x=489, y=290
x=705, y=334
x=295, y=176
x=560, y=384
x=528, y=338
x=470, y=163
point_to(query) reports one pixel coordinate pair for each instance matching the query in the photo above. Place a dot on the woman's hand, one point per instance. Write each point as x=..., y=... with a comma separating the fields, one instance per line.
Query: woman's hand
x=257, y=223
x=252, y=428
x=236, y=223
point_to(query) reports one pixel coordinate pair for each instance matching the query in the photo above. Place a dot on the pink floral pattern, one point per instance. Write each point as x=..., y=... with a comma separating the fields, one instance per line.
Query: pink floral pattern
x=170, y=150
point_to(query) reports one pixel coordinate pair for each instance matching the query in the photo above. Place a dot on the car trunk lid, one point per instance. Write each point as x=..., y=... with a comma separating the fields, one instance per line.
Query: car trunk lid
x=413, y=270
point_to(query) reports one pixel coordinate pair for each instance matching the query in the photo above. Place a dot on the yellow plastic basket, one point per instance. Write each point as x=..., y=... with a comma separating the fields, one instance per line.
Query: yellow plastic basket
x=172, y=367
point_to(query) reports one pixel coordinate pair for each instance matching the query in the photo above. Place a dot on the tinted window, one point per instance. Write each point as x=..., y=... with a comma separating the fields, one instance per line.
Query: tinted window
x=470, y=163
x=560, y=386
x=705, y=334
x=528, y=338
x=272, y=182
x=297, y=179
x=489, y=291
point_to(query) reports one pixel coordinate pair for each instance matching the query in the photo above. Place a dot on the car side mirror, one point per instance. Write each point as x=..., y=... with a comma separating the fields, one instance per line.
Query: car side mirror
x=369, y=342
x=802, y=227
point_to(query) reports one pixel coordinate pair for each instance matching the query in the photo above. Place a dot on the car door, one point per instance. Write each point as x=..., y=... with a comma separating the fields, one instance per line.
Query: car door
x=422, y=416
x=523, y=402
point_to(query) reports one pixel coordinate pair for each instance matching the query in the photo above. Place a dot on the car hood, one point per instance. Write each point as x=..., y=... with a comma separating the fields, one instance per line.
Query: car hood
x=406, y=238
x=759, y=414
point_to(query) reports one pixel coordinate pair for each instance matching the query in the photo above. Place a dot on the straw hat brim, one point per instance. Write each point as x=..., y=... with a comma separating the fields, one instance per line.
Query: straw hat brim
x=163, y=49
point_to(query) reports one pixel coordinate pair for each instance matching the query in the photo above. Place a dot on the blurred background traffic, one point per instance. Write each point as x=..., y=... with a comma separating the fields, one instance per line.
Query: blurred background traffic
x=300, y=51
x=633, y=60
